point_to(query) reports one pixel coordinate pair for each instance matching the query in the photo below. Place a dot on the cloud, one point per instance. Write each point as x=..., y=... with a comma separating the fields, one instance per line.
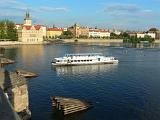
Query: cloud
x=15, y=8
x=131, y=15
x=122, y=8
x=128, y=11
x=52, y=9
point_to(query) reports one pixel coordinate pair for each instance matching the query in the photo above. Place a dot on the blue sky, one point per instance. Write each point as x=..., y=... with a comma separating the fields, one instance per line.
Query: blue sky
x=117, y=14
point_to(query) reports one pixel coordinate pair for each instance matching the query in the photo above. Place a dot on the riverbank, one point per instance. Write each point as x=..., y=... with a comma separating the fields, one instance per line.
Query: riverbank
x=93, y=40
x=157, y=41
x=99, y=41
x=5, y=43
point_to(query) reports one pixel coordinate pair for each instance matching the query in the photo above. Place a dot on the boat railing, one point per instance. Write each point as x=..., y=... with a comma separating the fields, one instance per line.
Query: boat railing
x=84, y=54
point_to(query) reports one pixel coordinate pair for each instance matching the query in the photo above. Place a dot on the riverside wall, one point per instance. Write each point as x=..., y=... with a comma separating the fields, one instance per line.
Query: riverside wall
x=93, y=40
x=5, y=43
x=75, y=40
x=157, y=41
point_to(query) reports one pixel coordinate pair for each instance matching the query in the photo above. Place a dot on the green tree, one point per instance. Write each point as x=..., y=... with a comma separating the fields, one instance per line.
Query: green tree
x=11, y=31
x=153, y=30
x=83, y=36
x=8, y=30
x=66, y=35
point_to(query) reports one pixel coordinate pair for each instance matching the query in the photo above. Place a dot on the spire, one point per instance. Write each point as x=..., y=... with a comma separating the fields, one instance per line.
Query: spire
x=27, y=17
x=27, y=20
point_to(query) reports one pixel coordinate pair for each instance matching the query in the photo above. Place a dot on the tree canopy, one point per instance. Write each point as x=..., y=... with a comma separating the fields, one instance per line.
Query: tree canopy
x=8, y=30
x=153, y=29
x=66, y=35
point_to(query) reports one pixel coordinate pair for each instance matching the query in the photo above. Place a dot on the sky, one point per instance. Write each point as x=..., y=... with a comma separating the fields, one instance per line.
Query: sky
x=111, y=14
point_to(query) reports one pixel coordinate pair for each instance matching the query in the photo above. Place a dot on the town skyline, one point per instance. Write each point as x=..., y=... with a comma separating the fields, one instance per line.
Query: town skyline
x=116, y=14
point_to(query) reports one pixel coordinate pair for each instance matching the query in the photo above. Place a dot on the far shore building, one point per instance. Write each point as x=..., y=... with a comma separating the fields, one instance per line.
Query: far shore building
x=140, y=35
x=54, y=32
x=79, y=31
x=152, y=34
x=158, y=35
x=28, y=33
x=132, y=34
x=143, y=34
x=117, y=32
x=100, y=33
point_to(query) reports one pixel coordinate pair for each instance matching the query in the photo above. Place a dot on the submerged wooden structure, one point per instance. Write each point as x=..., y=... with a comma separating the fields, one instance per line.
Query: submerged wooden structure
x=68, y=106
x=25, y=73
x=6, y=61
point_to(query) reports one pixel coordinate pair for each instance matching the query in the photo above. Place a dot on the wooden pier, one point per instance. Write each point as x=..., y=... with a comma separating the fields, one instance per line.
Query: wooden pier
x=6, y=61
x=25, y=73
x=68, y=106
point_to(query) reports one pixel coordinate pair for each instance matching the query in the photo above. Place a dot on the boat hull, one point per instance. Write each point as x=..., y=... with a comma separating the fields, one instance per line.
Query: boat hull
x=77, y=64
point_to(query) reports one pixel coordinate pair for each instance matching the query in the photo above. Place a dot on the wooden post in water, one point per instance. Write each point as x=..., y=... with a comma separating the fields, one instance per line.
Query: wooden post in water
x=69, y=105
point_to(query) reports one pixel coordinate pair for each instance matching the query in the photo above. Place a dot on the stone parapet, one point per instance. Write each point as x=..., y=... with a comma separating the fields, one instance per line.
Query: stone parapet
x=16, y=89
x=6, y=110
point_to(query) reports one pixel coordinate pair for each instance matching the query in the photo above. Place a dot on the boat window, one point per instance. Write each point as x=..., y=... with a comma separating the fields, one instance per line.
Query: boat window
x=75, y=60
x=79, y=61
x=58, y=61
x=84, y=60
x=71, y=60
x=90, y=60
x=87, y=60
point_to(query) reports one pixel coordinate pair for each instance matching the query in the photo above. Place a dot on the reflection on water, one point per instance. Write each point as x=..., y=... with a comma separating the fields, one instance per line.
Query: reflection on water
x=84, y=69
x=30, y=53
x=73, y=116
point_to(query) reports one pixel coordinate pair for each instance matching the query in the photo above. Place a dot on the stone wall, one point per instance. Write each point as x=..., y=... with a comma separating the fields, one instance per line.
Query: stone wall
x=19, y=97
x=6, y=110
x=16, y=88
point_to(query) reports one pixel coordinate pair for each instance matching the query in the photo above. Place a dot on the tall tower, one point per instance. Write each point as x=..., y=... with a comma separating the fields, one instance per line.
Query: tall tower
x=77, y=30
x=27, y=20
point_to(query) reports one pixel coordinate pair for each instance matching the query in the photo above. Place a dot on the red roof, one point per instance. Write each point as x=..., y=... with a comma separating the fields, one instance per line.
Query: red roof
x=28, y=27
x=54, y=29
x=37, y=27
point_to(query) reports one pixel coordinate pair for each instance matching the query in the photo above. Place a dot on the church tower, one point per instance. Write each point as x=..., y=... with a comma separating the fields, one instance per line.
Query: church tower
x=27, y=20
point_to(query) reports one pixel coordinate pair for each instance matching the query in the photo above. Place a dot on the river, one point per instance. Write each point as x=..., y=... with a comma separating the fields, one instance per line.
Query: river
x=129, y=90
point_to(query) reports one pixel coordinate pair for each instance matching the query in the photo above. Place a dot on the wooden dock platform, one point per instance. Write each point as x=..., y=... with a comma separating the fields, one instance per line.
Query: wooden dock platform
x=6, y=61
x=69, y=105
x=25, y=73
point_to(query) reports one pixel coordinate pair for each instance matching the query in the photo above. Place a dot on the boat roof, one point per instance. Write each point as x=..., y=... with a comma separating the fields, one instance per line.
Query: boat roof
x=84, y=54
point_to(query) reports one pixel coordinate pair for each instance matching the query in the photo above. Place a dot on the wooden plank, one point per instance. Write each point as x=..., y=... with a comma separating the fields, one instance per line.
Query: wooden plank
x=69, y=105
x=25, y=73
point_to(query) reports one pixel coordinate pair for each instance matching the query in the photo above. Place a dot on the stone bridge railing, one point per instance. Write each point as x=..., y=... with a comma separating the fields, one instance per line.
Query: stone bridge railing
x=6, y=110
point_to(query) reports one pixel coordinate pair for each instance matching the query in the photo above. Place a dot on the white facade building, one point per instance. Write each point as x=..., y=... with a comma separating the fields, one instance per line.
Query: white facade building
x=44, y=30
x=99, y=33
x=153, y=35
x=116, y=32
x=28, y=33
x=142, y=35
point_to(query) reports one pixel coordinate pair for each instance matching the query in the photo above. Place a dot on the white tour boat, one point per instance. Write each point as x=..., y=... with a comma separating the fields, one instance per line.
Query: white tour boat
x=85, y=58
